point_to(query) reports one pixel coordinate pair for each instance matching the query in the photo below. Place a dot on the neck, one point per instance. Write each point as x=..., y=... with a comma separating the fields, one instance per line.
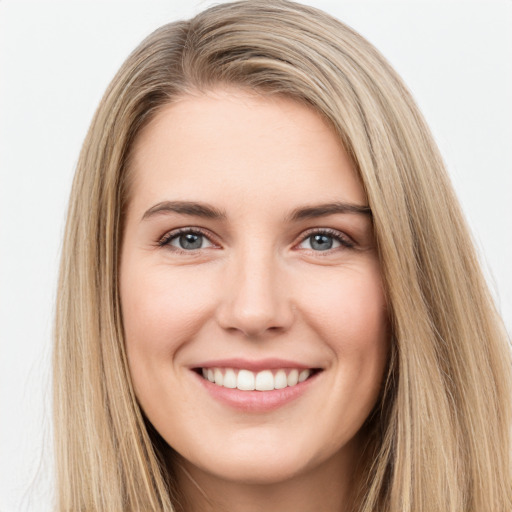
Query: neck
x=327, y=486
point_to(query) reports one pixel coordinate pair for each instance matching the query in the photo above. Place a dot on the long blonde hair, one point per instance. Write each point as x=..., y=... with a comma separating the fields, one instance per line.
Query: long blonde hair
x=439, y=439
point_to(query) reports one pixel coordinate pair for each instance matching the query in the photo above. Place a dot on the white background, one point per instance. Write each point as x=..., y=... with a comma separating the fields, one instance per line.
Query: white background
x=56, y=60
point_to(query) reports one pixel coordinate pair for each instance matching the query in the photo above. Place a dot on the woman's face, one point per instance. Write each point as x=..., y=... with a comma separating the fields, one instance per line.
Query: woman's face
x=249, y=261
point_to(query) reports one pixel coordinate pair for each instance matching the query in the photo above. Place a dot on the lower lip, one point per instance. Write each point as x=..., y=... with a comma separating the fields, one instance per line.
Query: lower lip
x=257, y=401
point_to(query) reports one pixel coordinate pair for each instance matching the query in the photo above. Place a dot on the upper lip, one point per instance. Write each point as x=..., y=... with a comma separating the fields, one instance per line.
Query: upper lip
x=254, y=365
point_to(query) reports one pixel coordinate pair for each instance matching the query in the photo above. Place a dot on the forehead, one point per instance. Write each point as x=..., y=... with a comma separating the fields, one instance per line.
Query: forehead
x=235, y=147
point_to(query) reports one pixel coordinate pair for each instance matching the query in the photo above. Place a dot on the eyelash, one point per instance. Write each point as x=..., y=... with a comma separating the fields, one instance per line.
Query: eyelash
x=344, y=241
x=168, y=237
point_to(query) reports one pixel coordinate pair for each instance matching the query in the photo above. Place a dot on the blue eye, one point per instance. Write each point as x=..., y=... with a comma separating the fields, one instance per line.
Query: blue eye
x=186, y=241
x=320, y=242
x=325, y=241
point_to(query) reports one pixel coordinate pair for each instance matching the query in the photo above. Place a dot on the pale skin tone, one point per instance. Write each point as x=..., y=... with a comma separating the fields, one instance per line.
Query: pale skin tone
x=278, y=262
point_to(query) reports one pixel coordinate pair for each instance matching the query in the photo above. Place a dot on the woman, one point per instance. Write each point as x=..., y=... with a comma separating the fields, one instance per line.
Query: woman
x=268, y=297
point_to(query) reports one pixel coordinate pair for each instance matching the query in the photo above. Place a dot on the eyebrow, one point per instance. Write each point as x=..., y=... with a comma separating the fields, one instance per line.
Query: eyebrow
x=321, y=210
x=185, y=208
x=209, y=212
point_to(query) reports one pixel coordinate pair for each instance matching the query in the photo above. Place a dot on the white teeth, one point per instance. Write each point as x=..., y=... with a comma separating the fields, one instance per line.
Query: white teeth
x=280, y=381
x=303, y=375
x=230, y=379
x=264, y=381
x=219, y=378
x=245, y=380
x=293, y=377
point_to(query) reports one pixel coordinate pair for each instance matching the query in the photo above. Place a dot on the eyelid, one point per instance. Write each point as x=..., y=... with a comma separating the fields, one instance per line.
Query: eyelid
x=167, y=237
x=345, y=241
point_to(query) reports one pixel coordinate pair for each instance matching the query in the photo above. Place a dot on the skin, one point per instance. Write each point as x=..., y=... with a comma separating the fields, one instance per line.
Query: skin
x=256, y=288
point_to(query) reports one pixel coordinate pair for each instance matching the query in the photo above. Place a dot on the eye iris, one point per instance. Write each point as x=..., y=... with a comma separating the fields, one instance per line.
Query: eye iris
x=190, y=241
x=321, y=242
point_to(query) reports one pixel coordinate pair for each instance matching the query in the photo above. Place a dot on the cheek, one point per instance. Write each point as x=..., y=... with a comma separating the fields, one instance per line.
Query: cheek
x=350, y=316
x=161, y=311
x=349, y=308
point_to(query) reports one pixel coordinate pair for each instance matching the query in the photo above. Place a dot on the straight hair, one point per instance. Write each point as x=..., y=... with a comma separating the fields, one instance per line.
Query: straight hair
x=439, y=437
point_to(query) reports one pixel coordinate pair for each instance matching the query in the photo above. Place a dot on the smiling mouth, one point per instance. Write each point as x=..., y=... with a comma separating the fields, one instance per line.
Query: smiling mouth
x=265, y=380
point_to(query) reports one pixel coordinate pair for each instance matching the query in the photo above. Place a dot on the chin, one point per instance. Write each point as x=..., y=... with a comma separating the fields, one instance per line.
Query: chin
x=260, y=462
x=263, y=471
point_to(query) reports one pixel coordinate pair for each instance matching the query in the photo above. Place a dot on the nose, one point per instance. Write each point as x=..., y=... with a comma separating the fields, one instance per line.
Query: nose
x=255, y=299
